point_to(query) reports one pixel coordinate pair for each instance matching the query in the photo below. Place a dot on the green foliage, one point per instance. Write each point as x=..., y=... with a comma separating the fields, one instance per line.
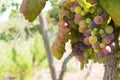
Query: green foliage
x=38, y=52
x=112, y=7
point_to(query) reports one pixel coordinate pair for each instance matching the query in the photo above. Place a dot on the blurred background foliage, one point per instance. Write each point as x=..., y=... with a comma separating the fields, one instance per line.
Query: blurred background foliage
x=22, y=50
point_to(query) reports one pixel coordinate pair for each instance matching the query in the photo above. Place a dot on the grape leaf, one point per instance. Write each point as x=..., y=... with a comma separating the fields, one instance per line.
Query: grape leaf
x=32, y=8
x=112, y=8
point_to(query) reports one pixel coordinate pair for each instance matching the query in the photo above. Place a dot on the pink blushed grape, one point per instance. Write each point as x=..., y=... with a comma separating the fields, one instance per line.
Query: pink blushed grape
x=86, y=32
x=86, y=41
x=101, y=54
x=107, y=50
x=98, y=19
x=113, y=45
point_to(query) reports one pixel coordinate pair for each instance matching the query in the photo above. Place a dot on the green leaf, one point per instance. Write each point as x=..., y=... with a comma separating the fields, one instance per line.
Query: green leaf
x=117, y=54
x=32, y=8
x=112, y=8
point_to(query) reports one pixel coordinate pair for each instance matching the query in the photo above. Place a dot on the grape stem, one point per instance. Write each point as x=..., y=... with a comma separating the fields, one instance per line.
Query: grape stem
x=112, y=70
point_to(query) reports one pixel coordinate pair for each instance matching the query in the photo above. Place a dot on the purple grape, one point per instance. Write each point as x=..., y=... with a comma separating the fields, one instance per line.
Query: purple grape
x=75, y=46
x=86, y=33
x=81, y=38
x=111, y=36
x=79, y=52
x=105, y=16
x=107, y=50
x=113, y=45
x=101, y=54
x=82, y=47
x=107, y=39
x=92, y=25
x=74, y=5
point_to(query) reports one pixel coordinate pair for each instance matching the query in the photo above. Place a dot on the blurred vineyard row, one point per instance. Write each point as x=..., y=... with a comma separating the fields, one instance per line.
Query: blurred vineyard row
x=22, y=50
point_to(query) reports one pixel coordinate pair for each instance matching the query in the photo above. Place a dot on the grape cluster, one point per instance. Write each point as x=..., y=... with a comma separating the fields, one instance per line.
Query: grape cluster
x=91, y=30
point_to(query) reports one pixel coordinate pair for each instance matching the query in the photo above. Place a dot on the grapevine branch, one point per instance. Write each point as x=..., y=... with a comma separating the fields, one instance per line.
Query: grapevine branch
x=43, y=28
x=64, y=66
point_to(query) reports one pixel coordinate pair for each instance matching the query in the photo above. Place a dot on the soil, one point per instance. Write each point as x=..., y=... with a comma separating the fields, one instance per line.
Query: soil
x=73, y=71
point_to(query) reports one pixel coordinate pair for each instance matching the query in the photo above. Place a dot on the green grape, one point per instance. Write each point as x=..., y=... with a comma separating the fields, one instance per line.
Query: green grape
x=87, y=10
x=96, y=50
x=83, y=24
x=93, y=39
x=108, y=29
x=103, y=35
x=83, y=13
x=93, y=33
x=95, y=29
x=101, y=31
x=88, y=20
x=102, y=45
x=78, y=10
x=73, y=0
x=81, y=30
x=93, y=9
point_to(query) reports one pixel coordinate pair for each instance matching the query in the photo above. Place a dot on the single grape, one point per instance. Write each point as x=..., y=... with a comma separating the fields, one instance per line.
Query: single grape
x=96, y=50
x=88, y=20
x=79, y=52
x=101, y=31
x=74, y=5
x=99, y=10
x=82, y=47
x=105, y=16
x=102, y=45
x=98, y=19
x=107, y=50
x=93, y=39
x=83, y=13
x=102, y=35
x=86, y=32
x=92, y=25
x=77, y=17
x=86, y=10
x=86, y=41
x=83, y=24
x=106, y=40
x=96, y=45
x=101, y=54
x=93, y=2
x=108, y=29
x=73, y=0
x=93, y=9
x=111, y=36
x=78, y=10
x=95, y=29
x=93, y=33
x=75, y=46
x=81, y=30
x=112, y=45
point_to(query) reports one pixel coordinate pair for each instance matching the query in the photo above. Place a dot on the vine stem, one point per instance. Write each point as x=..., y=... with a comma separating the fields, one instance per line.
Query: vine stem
x=112, y=63
x=43, y=28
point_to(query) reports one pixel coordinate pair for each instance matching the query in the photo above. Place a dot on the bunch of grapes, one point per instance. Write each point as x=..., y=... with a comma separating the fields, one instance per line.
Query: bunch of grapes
x=89, y=29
